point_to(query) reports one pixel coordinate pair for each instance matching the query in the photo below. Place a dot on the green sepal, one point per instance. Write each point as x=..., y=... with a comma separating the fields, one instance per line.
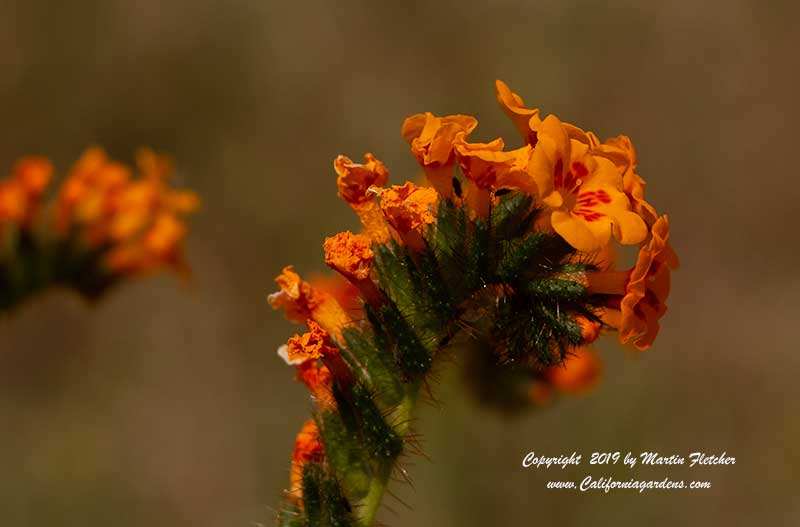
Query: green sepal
x=513, y=216
x=366, y=349
x=324, y=501
x=516, y=254
x=411, y=357
x=344, y=453
x=476, y=263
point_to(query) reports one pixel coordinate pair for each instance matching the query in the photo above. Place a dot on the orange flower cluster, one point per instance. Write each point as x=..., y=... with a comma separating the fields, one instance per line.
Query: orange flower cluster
x=590, y=192
x=136, y=222
x=141, y=219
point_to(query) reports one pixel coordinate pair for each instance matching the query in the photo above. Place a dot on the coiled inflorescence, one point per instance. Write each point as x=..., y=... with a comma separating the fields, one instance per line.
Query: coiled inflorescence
x=100, y=226
x=506, y=262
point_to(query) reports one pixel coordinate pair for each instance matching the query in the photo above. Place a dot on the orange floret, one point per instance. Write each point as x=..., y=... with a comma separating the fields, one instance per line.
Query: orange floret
x=342, y=290
x=637, y=296
x=319, y=380
x=349, y=254
x=431, y=140
x=486, y=166
x=409, y=209
x=580, y=371
x=514, y=107
x=354, y=180
x=300, y=302
x=315, y=344
x=621, y=152
x=590, y=329
x=648, y=288
x=21, y=191
x=296, y=296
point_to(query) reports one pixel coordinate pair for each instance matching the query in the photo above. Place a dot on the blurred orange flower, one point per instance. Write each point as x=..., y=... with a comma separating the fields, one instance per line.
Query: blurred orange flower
x=21, y=190
x=142, y=219
x=579, y=372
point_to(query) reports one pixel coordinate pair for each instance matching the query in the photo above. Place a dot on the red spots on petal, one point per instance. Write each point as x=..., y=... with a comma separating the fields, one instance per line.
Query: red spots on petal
x=603, y=196
x=588, y=214
x=592, y=198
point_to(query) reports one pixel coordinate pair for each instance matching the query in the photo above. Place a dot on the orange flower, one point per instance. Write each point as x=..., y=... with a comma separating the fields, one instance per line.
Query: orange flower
x=343, y=291
x=314, y=344
x=648, y=287
x=319, y=380
x=154, y=166
x=525, y=119
x=353, y=181
x=486, y=166
x=296, y=296
x=583, y=192
x=409, y=209
x=431, y=140
x=528, y=120
x=159, y=245
x=590, y=329
x=87, y=195
x=540, y=392
x=13, y=202
x=21, y=191
x=34, y=174
x=638, y=296
x=307, y=448
x=300, y=302
x=580, y=371
x=349, y=254
x=621, y=152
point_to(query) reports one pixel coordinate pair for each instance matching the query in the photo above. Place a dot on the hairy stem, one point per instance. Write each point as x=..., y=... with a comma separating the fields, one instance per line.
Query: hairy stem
x=377, y=487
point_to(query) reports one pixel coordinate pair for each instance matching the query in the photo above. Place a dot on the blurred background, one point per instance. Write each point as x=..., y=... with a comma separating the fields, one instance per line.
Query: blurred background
x=166, y=404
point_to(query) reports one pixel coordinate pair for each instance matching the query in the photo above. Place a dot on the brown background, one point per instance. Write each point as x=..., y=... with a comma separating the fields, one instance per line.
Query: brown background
x=166, y=405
